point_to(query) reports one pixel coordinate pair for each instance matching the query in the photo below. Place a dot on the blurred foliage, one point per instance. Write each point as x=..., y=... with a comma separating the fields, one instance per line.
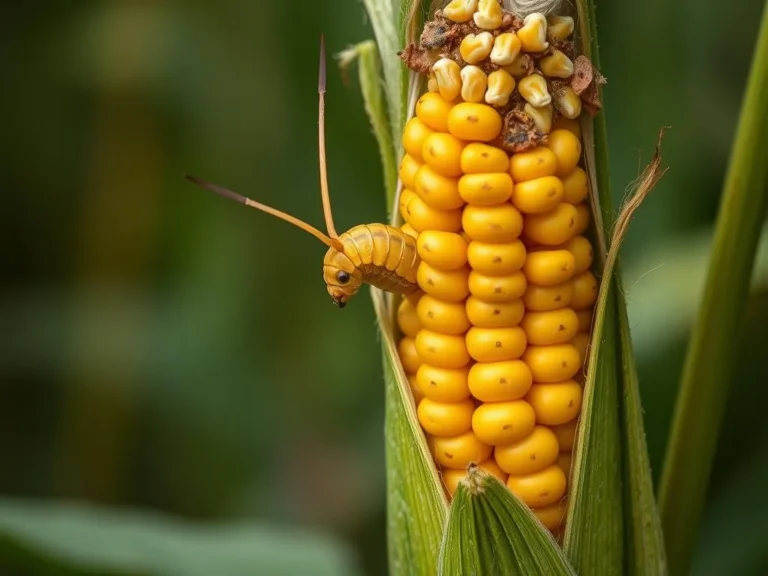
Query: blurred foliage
x=167, y=349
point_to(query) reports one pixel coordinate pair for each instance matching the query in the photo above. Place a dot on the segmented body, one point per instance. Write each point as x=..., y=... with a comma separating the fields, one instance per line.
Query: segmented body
x=385, y=256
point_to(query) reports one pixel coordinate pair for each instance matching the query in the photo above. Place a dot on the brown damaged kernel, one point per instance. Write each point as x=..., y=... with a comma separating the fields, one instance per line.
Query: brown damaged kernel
x=520, y=132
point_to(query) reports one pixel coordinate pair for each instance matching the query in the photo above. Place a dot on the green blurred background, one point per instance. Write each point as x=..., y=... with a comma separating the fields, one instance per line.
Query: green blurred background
x=165, y=349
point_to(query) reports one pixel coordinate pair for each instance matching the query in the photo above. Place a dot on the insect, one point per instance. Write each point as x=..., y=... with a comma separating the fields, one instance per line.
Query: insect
x=376, y=254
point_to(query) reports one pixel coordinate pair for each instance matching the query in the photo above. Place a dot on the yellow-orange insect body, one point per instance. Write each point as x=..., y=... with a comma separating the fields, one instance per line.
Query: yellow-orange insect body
x=376, y=254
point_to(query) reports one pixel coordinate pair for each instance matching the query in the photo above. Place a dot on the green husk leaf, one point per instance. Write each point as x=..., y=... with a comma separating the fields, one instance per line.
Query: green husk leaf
x=375, y=99
x=491, y=532
x=598, y=527
x=73, y=539
x=416, y=504
x=715, y=344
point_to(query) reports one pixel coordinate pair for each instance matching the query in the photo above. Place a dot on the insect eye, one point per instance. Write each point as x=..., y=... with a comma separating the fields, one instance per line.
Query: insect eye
x=342, y=277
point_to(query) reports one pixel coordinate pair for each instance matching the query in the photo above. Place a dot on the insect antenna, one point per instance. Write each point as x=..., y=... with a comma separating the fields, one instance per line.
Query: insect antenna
x=321, y=134
x=332, y=242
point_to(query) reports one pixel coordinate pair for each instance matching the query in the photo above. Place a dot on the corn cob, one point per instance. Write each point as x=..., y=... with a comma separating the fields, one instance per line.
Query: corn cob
x=494, y=190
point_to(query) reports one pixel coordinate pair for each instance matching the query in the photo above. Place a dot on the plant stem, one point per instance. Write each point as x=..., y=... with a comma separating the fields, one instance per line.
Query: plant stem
x=714, y=345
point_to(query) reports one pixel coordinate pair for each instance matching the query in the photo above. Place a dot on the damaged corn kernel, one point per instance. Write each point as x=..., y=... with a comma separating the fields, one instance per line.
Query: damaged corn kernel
x=506, y=48
x=559, y=27
x=542, y=117
x=447, y=73
x=533, y=34
x=534, y=89
x=474, y=83
x=556, y=65
x=500, y=87
x=460, y=10
x=488, y=15
x=568, y=103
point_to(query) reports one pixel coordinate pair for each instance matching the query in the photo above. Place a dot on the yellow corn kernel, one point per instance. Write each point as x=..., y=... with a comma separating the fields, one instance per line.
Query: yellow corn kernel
x=568, y=102
x=485, y=189
x=549, y=267
x=440, y=192
x=407, y=318
x=443, y=250
x=553, y=516
x=501, y=223
x=442, y=152
x=552, y=228
x=458, y=452
x=423, y=217
x=549, y=364
x=433, y=110
x=540, y=488
x=557, y=65
x=550, y=327
x=533, y=34
x=488, y=15
x=530, y=454
x=443, y=384
x=405, y=198
x=415, y=390
x=475, y=48
x=501, y=84
x=443, y=317
x=566, y=435
x=532, y=164
x=432, y=83
x=544, y=298
x=541, y=117
x=474, y=83
x=582, y=252
x=575, y=186
x=557, y=403
x=473, y=121
x=408, y=229
x=506, y=48
x=449, y=286
x=441, y=350
x=567, y=148
x=496, y=259
x=477, y=158
x=583, y=217
x=573, y=126
x=460, y=10
x=494, y=314
x=409, y=356
x=585, y=290
x=447, y=73
x=414, y=134
x=503, y=422
x=408, y=167
x=442, y=419
x=559, y=27
x=495, y=344
x=452, y=478
x=538, y=196
x=534, y=89
x=585, y=319
x=499, y=381
x=519, y=66
x=563, y=462
x=581, y=341
x=497, y=288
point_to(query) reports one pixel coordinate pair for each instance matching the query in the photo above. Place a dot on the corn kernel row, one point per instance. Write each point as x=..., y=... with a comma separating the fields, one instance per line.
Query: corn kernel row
x=494, y=346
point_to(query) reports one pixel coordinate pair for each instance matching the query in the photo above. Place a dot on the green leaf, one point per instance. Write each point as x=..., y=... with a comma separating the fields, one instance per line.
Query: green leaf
x=74, y=539
x=416, y=503
x=491, y=532
x=605, y=535
x=375, y=105
x=714, y=344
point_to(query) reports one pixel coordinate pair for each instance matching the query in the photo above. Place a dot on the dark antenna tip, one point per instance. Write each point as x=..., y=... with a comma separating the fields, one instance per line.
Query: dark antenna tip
x=321, y=79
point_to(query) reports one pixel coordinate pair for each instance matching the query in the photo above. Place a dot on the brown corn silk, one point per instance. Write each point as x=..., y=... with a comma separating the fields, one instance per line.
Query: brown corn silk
x=494, y=344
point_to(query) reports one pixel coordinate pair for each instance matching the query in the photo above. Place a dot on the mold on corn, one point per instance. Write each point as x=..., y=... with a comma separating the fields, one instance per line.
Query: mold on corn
x=495, y=190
